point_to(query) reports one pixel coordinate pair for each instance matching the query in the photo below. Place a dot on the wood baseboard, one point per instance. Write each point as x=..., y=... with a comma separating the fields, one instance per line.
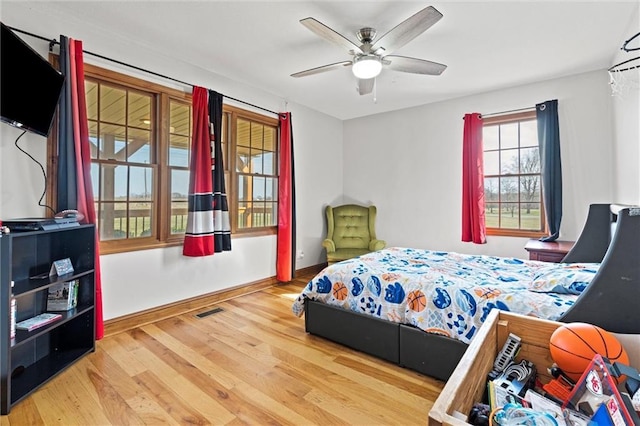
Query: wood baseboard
x=138, y=319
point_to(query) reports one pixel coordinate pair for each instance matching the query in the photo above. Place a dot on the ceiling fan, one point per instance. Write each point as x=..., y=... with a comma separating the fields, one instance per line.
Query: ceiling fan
x=373, y=54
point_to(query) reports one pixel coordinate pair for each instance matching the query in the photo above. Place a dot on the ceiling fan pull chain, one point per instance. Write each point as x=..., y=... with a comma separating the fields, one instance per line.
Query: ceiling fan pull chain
x=375, y=91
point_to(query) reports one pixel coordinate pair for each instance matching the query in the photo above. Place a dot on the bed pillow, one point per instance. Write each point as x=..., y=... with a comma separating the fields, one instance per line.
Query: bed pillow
x=564, y=278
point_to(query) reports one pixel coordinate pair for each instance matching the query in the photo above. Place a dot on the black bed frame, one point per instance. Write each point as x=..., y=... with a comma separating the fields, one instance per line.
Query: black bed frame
x=611, y=235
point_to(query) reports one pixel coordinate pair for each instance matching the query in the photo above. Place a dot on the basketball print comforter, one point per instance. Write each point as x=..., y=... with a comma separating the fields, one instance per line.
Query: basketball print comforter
x=446, y=292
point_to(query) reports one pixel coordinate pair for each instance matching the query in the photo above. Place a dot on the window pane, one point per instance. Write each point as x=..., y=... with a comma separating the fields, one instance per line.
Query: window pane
x=113, y=221
x=509, y=161
x=257, y=135
x=509, y=189
x=243, y=134
x=179, y=200
x=139, y=110
x=93, y=139
x=269, y=163
x=225, y=123
x=490, y=137
x=258, y=188
x=530, y=188
x=139, y=148
x=244, y=211
x=491, y=163
x=243, y=163
x=528, y=133
x=271, y=216
x=91, y=97
x=243, y=188
x=179, y=217
x=271, y=186
x=140, y=219
x=529, y=160
x=112, y=105
x=256, y=163
x=531, y=218
x=258, y=213
x=112, y=142
x=510, y=216
x=179, y=119
x=491, y=193
x=270, y=142
x=178, y=151
x=113, y=183
x=509, y=135
x=491, y=215
x=141, y=184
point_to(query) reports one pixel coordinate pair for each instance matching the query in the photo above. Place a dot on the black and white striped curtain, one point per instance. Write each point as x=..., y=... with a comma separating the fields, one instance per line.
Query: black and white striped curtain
x=221, y=225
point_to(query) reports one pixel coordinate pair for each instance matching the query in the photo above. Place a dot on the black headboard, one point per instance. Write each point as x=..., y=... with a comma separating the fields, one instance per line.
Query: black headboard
x=596, y=235
x=612, y=299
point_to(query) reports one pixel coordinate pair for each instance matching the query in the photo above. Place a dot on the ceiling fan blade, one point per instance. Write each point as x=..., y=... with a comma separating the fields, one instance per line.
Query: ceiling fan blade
x=407, y=30
x=330, y=35
x=414, y=65
x=321, y=69
x=365, y=85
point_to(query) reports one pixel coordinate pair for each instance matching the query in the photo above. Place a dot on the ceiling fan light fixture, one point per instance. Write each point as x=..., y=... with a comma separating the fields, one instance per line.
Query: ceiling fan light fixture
x=366, y=66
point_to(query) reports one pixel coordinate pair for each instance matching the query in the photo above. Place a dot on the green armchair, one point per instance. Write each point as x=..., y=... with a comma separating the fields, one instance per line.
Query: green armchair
x=351, y=232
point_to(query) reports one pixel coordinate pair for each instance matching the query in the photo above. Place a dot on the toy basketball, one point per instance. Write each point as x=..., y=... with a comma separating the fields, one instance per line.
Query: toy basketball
x=416, y=301
x=572, y=347
x=339, y=291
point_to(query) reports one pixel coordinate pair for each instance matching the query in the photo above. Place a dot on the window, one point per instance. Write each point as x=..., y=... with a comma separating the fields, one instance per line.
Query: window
x=140, y=135
x=254, y=179
x=512, y=181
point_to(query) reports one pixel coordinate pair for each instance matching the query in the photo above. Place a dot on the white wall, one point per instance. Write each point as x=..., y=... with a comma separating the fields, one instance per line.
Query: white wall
x=626, y=121
x=140, y=280
x=408, y=163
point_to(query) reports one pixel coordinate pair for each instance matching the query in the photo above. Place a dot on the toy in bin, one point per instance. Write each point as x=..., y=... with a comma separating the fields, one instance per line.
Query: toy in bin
x=596, y=395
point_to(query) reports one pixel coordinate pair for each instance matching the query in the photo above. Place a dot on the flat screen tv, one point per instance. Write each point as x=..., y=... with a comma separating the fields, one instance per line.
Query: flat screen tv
x=30, y=87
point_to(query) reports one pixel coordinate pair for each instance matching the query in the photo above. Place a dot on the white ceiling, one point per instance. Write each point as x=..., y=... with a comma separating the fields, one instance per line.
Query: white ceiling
x=486, y=45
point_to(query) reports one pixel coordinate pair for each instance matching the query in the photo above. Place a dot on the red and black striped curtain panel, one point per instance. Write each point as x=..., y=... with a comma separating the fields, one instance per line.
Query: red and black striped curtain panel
x=221, y=224
x=473, y=220
x=198, y=240
x=74, y=189
x=286, y=250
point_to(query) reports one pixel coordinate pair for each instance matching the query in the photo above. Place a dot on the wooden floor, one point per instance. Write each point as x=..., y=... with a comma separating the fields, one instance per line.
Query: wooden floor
x=251, y=363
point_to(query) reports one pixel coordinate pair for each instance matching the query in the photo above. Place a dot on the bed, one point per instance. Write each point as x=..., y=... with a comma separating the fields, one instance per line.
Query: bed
x=420, y=308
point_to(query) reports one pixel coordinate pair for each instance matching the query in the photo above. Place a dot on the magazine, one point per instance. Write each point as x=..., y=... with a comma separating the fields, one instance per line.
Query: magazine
x=38, y=321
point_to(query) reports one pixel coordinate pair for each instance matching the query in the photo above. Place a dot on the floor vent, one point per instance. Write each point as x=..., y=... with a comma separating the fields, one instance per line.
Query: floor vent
x=211, y=312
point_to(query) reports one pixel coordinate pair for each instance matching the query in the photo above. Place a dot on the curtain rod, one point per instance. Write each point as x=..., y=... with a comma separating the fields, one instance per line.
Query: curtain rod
x=506, y=112
x=53, y=42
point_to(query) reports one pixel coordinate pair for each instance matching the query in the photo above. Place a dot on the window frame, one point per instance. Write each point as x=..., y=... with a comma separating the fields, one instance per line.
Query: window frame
x=509, y=118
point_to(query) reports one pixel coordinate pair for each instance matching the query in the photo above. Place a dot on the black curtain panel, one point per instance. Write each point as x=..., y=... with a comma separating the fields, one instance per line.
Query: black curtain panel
x=221, y=224
x=66, y=184
x=551, y=166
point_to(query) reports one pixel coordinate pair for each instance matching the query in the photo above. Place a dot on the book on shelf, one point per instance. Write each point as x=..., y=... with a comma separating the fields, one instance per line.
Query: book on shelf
x=63, y=296
x=38, y=321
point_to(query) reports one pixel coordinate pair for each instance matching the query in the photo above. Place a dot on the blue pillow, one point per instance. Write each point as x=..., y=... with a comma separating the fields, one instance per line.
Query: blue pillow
x=564, y=278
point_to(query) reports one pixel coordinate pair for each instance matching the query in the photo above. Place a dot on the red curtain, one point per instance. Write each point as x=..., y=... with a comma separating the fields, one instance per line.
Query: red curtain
x=198, y=240
x=286, y=251
x=473, y=220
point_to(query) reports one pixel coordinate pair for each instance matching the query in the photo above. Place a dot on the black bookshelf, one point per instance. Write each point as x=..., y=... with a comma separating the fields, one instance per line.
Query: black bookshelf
x=32, y=358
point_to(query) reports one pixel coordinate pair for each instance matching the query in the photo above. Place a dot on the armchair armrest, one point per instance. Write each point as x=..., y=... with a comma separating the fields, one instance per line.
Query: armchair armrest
x=329, y=245
x=375, y=245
